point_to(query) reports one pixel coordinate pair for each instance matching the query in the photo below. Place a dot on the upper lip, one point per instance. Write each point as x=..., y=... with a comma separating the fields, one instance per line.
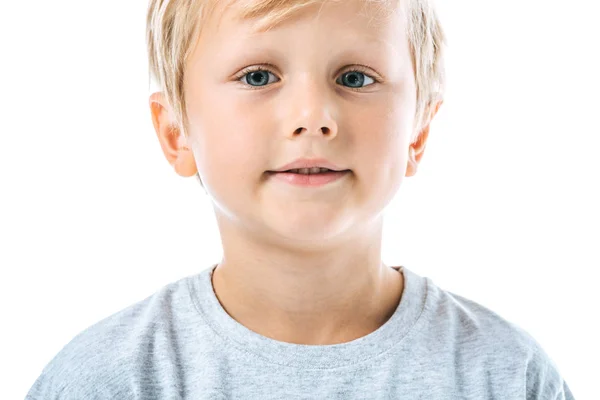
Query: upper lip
x=309, y=163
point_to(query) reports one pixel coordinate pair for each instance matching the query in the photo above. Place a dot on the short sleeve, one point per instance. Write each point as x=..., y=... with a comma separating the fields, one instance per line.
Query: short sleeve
x=566, y=393
x=543, y=378
x=47, y=387
x=78, y=372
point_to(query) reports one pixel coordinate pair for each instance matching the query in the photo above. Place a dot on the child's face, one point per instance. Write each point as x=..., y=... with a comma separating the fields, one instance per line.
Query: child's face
x=306, y=105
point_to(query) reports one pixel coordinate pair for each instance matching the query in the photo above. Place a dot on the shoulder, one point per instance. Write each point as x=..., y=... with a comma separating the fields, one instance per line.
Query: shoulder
x=98, y=363
x=471, y=321
x=498, y=344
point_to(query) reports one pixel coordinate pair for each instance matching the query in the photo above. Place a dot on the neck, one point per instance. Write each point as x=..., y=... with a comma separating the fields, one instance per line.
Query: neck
x=327, y=298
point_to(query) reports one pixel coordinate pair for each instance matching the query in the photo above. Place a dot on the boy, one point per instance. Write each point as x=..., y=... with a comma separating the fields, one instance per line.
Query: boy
x=300, y=119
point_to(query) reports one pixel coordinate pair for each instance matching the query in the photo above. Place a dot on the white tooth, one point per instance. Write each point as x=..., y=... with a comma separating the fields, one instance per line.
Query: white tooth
x=309, y=171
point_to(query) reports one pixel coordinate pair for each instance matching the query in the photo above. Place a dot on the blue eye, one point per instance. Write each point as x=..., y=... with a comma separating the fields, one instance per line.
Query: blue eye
x=355, y=79
x=257, y=78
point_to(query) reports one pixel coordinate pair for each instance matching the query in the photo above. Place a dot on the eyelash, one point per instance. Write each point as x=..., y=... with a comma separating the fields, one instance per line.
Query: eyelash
x=355, y=68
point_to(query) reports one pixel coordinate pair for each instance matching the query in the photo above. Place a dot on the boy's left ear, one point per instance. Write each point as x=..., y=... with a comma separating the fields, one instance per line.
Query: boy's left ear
x=417, y=148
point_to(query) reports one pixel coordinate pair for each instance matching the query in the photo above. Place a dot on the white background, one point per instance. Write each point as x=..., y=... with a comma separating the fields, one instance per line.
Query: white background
x=503, y=210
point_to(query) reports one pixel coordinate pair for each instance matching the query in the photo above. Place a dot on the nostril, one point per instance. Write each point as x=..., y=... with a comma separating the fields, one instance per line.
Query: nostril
x=324, y=129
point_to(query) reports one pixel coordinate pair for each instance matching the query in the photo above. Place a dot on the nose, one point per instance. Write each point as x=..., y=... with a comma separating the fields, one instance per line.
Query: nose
x=311, y=110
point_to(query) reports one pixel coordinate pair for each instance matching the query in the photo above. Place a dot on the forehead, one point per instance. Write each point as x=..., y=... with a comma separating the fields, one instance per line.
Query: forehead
x=269, y=13
x=264, y=15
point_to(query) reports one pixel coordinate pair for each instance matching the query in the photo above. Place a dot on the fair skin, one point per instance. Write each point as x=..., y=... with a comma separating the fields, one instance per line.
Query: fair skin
x=300, y=265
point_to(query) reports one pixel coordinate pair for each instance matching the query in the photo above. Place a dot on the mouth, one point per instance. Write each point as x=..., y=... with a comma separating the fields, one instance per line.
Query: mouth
x=309, y=171
x=310, y=177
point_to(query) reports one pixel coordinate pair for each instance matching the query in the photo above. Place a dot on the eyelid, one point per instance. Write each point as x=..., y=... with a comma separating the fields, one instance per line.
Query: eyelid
x=258, y=67
x=365, y=69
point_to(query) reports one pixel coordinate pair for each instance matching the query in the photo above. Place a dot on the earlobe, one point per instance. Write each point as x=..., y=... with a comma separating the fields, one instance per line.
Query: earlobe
x=185, y=164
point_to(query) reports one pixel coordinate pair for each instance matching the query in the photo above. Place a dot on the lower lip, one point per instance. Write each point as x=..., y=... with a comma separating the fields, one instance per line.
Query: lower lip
x=310, y=180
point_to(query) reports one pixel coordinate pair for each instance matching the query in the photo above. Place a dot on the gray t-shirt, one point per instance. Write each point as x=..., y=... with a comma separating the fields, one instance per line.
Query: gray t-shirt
x=180, y=343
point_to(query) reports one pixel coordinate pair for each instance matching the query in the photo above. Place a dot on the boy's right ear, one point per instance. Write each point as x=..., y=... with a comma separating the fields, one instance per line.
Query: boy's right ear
x=172, y=141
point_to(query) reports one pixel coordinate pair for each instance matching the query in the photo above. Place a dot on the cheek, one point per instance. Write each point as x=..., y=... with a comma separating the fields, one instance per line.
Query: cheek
x=234, y=141
x=382, y=133
x=381, y=146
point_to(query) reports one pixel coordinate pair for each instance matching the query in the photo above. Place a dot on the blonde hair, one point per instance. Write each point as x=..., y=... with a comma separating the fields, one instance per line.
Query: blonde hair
x=174, y=26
